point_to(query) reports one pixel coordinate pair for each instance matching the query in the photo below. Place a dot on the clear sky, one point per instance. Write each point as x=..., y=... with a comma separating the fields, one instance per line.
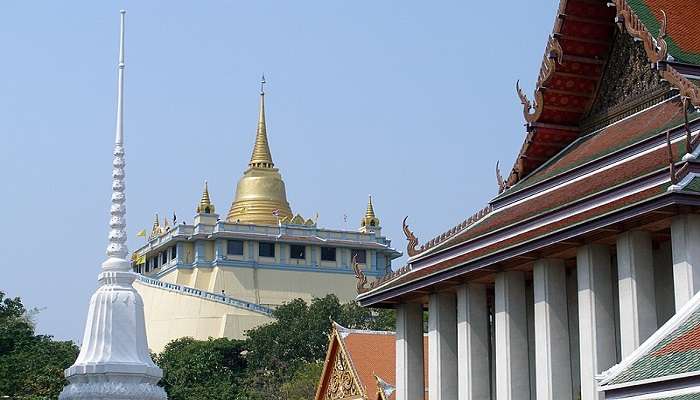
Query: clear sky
x=411, y=101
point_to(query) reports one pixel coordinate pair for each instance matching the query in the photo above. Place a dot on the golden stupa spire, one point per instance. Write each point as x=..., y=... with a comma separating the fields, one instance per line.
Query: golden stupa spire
x=261, y=158
x=205, y=206
x=261, y=197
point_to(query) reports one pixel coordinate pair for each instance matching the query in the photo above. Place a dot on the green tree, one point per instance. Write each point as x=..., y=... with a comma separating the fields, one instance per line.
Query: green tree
x=202, y=370
x=31, y=366
x=302, y=384
x=299, y=337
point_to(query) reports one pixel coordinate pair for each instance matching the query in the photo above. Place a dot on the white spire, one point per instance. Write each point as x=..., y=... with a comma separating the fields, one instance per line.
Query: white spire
x=114, y=361
x=117, y=234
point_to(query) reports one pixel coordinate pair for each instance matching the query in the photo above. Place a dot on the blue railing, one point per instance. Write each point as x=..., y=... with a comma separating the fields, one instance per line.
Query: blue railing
x=219, y=298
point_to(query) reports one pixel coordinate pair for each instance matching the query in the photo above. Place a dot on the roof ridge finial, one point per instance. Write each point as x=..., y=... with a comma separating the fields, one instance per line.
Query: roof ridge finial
x=117, y=235
x=261, y=158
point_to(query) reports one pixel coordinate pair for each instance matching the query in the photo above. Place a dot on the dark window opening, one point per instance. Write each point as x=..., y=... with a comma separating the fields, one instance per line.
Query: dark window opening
x=173, y=252
x=360, y=254
x=234, y=247
x=297, y=252
x=266, y=249
x=327, y=253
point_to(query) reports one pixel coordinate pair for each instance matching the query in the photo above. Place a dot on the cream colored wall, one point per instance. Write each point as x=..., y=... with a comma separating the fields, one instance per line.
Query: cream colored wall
x=170, y=315
x=273, y=286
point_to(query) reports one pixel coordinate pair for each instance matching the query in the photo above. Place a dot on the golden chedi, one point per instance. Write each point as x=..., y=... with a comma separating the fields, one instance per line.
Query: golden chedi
x=261, y=197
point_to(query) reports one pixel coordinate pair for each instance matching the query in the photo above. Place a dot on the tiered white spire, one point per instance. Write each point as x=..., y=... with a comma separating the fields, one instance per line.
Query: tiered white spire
x=114, y=361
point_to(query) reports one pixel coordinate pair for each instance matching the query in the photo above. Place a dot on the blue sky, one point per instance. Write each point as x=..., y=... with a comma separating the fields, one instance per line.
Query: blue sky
x=411, y=101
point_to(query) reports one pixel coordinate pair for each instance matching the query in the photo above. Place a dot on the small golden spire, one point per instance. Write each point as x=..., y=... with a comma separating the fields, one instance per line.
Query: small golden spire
x=370, y=210
x=261, y=158
x=370, y=223
x=205, y=206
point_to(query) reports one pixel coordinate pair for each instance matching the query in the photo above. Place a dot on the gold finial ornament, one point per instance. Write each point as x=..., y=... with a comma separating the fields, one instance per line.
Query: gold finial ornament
x=205, y=206
x=261, y=197
x=370, y=222
x=261, y=157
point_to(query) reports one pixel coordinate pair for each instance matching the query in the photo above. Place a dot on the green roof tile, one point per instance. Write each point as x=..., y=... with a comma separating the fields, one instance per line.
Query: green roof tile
x=659, y=362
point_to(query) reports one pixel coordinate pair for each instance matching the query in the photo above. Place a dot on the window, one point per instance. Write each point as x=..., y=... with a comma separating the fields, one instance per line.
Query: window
x=234, y=247
x=327, y=253
x=173, y=252
x=297, y=252
x=360, y=254
x=164, y=258
x=266, y=249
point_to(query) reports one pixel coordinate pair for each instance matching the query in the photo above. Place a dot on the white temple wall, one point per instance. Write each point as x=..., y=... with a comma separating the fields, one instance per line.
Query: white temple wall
x=171, y=315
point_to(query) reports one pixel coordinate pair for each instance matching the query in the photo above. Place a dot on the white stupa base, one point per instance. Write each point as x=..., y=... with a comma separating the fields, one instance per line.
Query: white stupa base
x=111, y=386
x=114, y=361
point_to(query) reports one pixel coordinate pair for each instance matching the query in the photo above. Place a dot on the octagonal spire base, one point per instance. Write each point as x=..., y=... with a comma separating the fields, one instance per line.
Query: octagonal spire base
x=114, y=361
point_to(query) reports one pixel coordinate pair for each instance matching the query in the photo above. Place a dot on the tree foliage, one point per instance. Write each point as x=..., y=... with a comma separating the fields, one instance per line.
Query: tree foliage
x=298, y=338
x=202, y=370
x=31, y=366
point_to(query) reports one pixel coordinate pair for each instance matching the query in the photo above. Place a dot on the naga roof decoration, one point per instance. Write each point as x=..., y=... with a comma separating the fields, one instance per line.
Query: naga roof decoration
x=574, y=62
x=412, y=245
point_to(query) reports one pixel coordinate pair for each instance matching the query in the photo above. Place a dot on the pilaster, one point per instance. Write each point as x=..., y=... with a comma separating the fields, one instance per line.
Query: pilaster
x=199, y=253
x=220, y=249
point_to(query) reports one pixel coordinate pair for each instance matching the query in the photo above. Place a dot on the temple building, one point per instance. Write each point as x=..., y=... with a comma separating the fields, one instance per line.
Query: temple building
x=220, y=277
x=592, y=244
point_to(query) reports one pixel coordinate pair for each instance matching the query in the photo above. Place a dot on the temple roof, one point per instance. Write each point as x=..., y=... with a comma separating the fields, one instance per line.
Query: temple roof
x=596, y=147
x=672, y=352
x=575, y=61
x=369, y=355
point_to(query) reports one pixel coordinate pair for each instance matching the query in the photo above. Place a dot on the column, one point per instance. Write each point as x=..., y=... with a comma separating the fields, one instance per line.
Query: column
x=512, y=371
x=596, y=316
x=442, y=346
x=552, y=359
x=685, y=242
x=472, y=342
x=663, y=282
x=409, y=352
x=635, y=269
